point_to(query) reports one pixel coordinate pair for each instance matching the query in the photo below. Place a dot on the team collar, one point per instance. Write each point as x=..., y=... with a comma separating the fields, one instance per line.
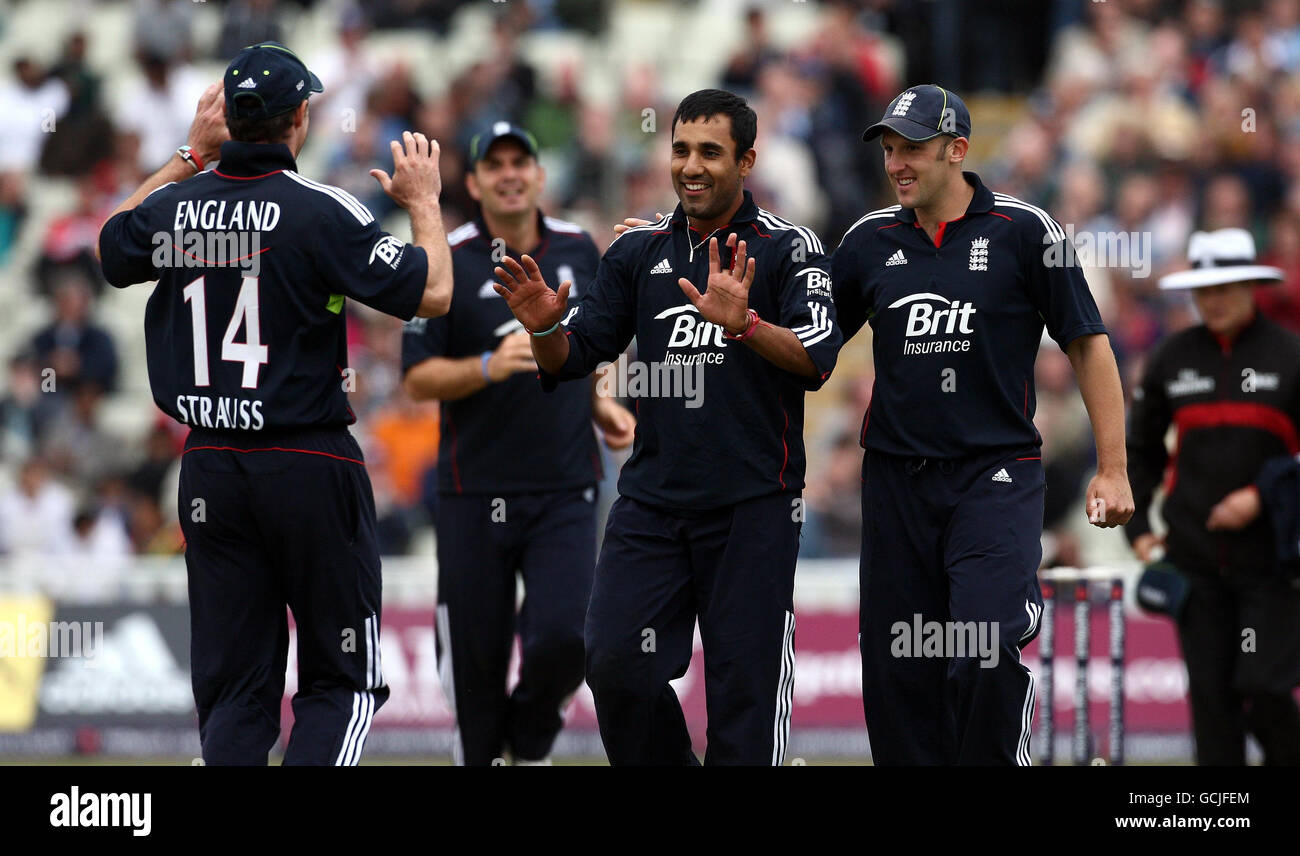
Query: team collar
x=980, y=203
x=746, y=213
x=250, y=160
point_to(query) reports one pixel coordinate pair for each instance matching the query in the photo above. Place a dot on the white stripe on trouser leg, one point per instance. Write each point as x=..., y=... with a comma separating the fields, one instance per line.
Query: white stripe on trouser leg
x=784, y=693
x=1023, y=757
x=352, y=727
x=377, y=658
x=360, y=742
x=448, y=680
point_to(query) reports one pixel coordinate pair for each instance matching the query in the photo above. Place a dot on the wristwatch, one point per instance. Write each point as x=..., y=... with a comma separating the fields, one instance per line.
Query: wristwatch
x=191, y=157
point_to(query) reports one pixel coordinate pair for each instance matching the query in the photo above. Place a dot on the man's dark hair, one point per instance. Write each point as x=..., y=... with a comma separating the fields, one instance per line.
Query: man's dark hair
x=714, y=102
x=267, y=129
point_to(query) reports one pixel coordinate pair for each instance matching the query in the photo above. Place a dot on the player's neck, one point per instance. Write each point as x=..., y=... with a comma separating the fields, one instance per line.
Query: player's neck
x=706, y=227
x=950, y=206
x=519, y=232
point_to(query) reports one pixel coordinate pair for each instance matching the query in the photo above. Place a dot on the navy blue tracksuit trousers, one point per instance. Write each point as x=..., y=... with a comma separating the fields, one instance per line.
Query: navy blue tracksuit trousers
x=484, y=543
x=274, y=520
x=950, y=547
x=659, y=570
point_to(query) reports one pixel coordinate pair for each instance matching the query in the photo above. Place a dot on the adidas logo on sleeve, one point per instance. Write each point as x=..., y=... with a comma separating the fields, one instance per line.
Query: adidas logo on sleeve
x=662, y=267
x=1002, y=476
x=896, y=259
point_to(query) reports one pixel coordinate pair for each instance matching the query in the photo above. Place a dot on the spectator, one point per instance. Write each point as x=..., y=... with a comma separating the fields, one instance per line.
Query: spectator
x=32, y=105
x=72, y=344
x=248, y=22
x=78, y=446
x=36, y=513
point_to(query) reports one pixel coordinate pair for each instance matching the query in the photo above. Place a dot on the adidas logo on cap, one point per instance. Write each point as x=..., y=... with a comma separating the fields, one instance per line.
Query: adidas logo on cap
x=896, y=259
x=662, y=267
x=1001, y=475
x=248, y=83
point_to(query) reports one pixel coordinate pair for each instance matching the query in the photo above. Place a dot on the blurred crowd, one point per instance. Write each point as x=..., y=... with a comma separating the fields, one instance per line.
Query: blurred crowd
x=1149, y=117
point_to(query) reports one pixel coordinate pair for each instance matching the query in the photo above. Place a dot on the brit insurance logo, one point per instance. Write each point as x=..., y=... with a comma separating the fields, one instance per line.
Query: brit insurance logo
x=931, y=316
x=816, y=280
x=388, y=250
x=691, y=331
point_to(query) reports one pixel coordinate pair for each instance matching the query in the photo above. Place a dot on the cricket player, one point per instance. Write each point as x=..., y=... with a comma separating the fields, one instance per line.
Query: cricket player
x=706, y=526
x=958, y=283
x=502, y=514
x=246, y=345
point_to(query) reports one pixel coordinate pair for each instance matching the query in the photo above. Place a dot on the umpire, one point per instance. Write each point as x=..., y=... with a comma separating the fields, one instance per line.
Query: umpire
x=958, y=283
x=706, y=525
x=246, y=345
x=500, y=513
x=1231, y=388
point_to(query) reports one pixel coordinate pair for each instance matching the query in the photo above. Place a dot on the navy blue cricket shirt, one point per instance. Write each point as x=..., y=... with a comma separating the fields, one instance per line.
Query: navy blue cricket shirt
x=741, y=437
x=957, y=321
x=236, y=352
x=509, y=437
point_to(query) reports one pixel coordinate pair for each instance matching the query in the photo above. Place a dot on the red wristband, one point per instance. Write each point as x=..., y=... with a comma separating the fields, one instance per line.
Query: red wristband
x=749, y=328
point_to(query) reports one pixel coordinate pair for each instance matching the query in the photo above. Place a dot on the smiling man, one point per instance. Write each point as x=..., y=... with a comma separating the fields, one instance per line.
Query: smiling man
x=957, y=283
x=502, y=515
x=707, y=522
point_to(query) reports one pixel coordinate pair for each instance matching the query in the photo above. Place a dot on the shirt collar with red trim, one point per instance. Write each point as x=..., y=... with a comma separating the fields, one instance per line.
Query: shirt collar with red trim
x=249, y=160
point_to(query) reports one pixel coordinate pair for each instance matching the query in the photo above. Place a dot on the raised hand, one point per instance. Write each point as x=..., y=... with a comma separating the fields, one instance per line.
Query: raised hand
x=416, y=180
x=208, y=130
x=725, y=300
x=533, y=302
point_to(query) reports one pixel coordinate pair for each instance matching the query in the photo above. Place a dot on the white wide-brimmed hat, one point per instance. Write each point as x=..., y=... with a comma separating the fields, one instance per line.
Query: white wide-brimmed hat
x=1218, y=257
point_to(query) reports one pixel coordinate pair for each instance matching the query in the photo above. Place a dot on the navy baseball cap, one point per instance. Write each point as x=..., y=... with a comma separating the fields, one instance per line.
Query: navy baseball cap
x=267, y=79
x=922, y=113
x=479, y=145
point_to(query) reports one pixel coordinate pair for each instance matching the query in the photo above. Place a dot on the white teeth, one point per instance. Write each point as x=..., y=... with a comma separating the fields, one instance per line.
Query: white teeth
x=695, y=186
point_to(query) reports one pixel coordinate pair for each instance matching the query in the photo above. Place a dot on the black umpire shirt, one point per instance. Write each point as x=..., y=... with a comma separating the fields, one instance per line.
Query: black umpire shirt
x=957, y=321
x=245, y=330
x=509, y=437
x=1235, y=406
x=740, y=435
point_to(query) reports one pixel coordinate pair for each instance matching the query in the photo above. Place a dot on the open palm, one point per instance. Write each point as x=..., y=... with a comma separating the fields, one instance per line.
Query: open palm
x=725, y=300
x=534, y=303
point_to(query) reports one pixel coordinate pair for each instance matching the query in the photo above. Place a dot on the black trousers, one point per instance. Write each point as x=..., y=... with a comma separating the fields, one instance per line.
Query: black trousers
x=950, y=554
x=659, y=571
x=269, y=528
x=1240, y=636
x=548, y=539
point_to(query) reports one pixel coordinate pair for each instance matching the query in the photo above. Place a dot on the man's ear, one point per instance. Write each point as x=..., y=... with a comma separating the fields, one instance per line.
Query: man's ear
x=747, y=162
x=960, y=147
x=471, y=184
x=300, y=113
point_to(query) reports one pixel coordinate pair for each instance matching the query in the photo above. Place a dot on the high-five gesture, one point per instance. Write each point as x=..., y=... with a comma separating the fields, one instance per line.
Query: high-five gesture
x=725, y=300
x=415, y=180
x=533, y=302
